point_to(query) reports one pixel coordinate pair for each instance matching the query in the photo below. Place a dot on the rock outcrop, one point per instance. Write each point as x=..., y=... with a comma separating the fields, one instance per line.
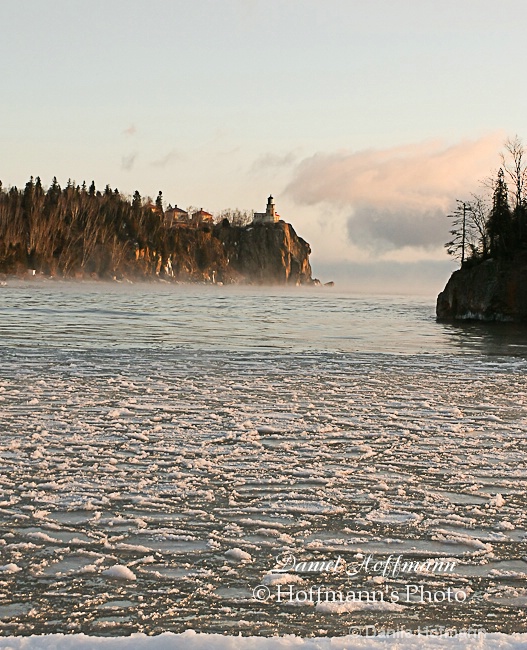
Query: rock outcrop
x=267, y=253
x=270, y=253
x=493, y=290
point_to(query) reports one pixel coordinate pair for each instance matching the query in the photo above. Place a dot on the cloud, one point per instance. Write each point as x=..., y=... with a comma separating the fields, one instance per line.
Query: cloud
x=166, y=159
x=131, y=130
x=127, y=162
x=274, y=161
x=396, y=197
x=384, y=229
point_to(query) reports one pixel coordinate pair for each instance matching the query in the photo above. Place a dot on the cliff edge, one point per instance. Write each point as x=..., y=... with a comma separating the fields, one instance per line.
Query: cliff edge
x=267, y=253
x=255, y=254
x=493, y=290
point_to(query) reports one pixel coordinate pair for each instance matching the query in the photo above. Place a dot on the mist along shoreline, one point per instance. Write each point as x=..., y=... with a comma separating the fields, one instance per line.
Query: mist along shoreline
x=10, y=280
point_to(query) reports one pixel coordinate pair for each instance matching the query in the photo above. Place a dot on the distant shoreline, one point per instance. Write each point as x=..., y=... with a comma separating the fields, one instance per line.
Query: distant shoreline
x=10, y=279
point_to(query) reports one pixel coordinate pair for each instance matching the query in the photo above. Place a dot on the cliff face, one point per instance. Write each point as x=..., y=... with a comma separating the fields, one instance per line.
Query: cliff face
x=490, y=291
x=262, y=254
x=267, y=253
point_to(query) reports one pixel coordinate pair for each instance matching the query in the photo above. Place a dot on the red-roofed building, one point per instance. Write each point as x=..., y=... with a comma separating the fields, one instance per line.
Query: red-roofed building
x=201, y=217
x=175, y=216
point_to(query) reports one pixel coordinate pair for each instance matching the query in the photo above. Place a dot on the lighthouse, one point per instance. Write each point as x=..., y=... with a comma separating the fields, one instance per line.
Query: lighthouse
x=269, y=216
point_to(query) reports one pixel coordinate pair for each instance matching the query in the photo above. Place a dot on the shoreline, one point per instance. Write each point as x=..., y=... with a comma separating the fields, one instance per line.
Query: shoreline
x=10, y=280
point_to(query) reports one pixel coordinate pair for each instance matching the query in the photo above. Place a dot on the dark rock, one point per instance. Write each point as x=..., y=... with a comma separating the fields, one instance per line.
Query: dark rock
x=270, y=253
x=493, y=290
x=258, y=254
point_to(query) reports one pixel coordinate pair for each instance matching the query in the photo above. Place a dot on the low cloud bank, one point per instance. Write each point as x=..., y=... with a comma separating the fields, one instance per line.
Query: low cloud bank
x=399, y=196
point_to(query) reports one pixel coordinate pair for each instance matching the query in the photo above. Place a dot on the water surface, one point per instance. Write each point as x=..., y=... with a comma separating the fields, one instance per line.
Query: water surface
x=160, y=427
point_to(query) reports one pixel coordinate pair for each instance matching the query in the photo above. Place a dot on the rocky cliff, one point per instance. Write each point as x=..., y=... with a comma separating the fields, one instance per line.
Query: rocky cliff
x=266, y=253
x=257, y=254
x=79, y=231
x=490, y=291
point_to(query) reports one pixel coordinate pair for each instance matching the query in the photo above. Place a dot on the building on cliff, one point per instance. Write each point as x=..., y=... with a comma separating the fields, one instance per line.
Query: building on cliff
x=269, y=216
x=175, y=216
x=200, y=218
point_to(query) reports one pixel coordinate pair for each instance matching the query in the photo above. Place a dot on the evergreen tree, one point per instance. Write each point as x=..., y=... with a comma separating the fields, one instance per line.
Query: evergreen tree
x=457, y=245
x=499, y=225
x=159, y=203
x=137, y=203
x=39, y=191
x=519, y=223
x=54, y=189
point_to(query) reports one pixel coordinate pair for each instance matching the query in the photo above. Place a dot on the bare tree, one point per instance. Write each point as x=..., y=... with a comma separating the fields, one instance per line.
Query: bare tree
x=478, y=239
x=236, y=217
x=514, y=164
x=470, y=238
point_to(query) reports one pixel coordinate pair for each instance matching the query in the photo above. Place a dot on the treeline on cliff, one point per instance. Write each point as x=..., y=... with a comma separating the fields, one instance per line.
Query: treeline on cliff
x=79, y=231
x=493, y=224
x=75, y=229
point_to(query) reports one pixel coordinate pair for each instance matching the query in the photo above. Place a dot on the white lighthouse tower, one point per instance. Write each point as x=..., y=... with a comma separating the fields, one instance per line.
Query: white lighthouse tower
x=269, y=216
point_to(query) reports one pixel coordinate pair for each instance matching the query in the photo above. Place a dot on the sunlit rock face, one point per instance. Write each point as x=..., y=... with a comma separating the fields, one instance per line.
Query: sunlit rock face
x=270, y=253
x=263, y=253
x=490, y=291
x=267, y=253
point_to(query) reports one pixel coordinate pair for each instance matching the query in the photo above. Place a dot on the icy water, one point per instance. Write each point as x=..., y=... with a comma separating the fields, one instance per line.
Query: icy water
x=164, y=449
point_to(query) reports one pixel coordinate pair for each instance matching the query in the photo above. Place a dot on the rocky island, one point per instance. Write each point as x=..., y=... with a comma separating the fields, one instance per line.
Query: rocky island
x=494, y=290
x=489, y=237
x=80, y=232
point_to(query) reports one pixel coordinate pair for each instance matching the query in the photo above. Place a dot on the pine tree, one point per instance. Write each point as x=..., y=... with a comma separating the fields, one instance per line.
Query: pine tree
x=137, y=203
x=159, y=203
x=499, y=225
x=457, y=245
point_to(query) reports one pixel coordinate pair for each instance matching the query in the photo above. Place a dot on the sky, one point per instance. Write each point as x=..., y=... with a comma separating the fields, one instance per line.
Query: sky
x=365, y=120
